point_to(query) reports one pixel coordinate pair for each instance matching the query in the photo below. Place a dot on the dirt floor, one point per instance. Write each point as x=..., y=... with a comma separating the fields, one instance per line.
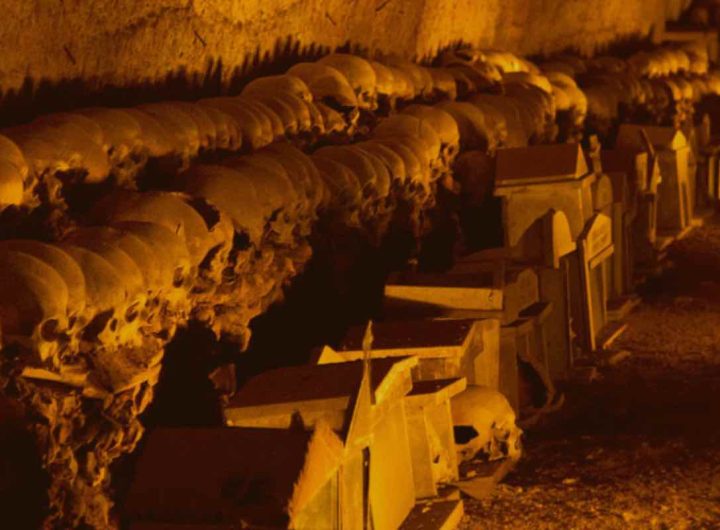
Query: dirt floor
x=640, y=447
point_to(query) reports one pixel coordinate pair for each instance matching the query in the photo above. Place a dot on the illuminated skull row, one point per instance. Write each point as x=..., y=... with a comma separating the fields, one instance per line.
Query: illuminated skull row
x=655, y=86
x=324, y=99
x=311, y=101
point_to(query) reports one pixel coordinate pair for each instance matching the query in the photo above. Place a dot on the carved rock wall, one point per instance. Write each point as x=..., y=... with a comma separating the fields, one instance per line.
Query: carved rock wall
x=137, y=41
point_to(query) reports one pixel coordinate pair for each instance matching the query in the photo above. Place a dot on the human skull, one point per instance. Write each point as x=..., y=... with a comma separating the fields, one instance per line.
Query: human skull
x=107, y=294
x=419, y=77
x=445, y=126
x=354, y=161
x=171, y=210
x=125, y=323
x=153, y=137
x=273, y=125
x=344, y=191
x=299, y=111
x=10, y=152
x=394, y=165
x=228, y=133
x=286, y=83
x=122, y=139
x=415, y=184
x=484, y=422
x=300, y=167
x=279, y=107
x=402, y=125
x=55, y=146
x=178, y=122
x=33, y=304
x=359, y=73
x=334, y=123
x=386, y=87
x=69, y=270
x=329, y=86
x=232, y=192
x=173, y=261
x=253, y=128
x=277, y=194
x=318, y=128
x=475, y=133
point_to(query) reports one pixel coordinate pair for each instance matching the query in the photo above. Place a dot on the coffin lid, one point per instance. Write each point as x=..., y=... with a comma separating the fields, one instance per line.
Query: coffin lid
x=479, y=291
x=260, y=476
x=664, y=138
x=632, y=162
x=435, y=392
x=410, y=334
x=622, y=159
x=540, y=164
x=296, y=384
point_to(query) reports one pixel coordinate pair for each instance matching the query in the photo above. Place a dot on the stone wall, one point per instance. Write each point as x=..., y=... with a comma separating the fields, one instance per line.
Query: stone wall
x=53, y=41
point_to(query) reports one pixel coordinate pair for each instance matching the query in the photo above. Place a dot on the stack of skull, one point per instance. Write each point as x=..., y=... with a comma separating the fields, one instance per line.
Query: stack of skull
x=85, y=316
x=204, y=212
x=659, y=86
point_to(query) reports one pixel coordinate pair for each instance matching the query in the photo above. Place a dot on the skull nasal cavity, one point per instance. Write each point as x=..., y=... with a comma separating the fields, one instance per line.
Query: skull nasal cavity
x=97, y=325
x=464, y=433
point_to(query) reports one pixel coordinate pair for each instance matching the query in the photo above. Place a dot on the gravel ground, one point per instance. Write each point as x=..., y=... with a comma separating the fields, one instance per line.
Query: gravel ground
x=639, y=448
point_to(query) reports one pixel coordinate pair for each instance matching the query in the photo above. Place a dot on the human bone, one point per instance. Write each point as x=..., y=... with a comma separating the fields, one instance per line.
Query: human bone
x=486, y=423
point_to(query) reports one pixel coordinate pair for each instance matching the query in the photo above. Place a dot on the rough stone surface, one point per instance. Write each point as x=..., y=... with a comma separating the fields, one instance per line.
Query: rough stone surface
x=138, y=41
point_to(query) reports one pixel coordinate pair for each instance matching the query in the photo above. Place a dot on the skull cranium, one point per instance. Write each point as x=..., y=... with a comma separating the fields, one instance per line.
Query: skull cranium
x=484, y=422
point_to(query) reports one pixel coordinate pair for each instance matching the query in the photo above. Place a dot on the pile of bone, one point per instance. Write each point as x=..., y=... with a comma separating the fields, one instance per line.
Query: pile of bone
x=517, y=103
x=236, y=227
x=153, y=258
x=331, y=100
x=93, y=311
x=659, y=86
x=311, y=102
x=90, y=313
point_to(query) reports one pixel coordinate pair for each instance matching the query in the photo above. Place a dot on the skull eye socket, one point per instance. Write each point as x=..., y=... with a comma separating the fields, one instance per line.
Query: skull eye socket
x=464, y=434
x=49, y=329
x=132, y=313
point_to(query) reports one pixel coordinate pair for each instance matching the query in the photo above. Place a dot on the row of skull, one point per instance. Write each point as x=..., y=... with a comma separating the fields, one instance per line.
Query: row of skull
x=323, y=97
x=147, y=253
x=663, y=82
x=104, y=298
x=278, y=186
x=145, y=261
x=310, y=100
